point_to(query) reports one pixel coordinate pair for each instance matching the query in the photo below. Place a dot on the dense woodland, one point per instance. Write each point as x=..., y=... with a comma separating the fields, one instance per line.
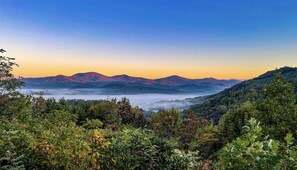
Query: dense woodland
x=250, y=90
x=255, y=128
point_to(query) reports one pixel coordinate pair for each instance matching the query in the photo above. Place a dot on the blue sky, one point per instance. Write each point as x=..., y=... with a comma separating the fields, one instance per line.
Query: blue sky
x=192, y=38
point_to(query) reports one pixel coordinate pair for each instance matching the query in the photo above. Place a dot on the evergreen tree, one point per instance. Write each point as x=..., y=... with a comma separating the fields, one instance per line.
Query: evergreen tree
x=166, y=123
x=230, y=125
x=277, y=111
x=189, y=129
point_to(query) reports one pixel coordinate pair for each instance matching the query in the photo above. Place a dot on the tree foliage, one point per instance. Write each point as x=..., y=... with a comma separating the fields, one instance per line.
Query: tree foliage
x=166, y=123
x=278, y=111
x=255, y=151
x=250, y=151
x=230, y=124
x=8, y=83
x=247, y=91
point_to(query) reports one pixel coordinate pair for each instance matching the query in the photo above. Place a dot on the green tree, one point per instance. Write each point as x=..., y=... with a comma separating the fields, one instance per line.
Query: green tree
x=198, y=134
x=277, y=111
x=208, y=141
x=250, y=151
x=125, y=111
x=140, y=149
x=167, y=123
x=189, y=129
x=257, y=152
x=130, y=115
x=8, y=83
x=107, y=112
x=230, y=124
x=92, y=124
x=11, y=101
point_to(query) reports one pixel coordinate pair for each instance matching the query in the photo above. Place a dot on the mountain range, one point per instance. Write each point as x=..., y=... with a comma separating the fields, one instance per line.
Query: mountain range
x=128, y=84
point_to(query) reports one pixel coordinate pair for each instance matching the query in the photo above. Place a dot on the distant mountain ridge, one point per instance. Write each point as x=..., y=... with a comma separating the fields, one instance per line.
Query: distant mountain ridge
x=128, y=84
x=97, y=77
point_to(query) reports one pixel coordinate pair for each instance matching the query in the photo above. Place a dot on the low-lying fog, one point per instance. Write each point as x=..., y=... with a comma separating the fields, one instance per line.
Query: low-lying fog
x=148, y=102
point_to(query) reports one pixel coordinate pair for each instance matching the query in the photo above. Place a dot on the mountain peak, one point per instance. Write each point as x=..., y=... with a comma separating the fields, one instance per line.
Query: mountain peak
x=91, y=77
x=175, y=76
x=174, y=80
x=86, y=73
x=122, y=75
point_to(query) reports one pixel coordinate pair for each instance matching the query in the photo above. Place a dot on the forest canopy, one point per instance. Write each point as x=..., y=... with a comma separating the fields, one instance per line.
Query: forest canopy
x=39, y=133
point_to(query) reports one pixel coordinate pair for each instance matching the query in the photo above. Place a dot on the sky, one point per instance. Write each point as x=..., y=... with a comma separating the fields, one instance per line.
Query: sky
x=150, y=38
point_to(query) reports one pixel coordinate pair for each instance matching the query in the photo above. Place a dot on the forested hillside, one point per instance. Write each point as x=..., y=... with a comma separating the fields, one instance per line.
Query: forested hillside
x=250, y=90
x=38, y=133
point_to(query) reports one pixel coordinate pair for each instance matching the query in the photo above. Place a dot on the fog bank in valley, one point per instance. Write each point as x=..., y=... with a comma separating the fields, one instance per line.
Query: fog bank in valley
x=148, y=102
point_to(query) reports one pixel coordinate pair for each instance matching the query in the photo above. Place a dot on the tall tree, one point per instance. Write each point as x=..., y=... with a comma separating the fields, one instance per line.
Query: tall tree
x=8, y=83
x=130, y=115
x=166, y=123
x=278, y=113
x=11, y=101
x=230, y=124
x=189, y=129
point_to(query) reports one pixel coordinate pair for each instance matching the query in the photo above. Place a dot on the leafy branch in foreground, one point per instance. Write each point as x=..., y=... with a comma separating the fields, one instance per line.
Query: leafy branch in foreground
x=253, y=151
x=8, y=83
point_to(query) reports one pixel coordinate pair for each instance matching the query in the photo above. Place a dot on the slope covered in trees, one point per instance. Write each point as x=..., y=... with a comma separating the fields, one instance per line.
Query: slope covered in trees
x=250, y=90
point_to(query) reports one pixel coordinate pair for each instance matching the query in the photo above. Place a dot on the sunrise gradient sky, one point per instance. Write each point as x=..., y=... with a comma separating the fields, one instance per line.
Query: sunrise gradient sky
x=150, y=38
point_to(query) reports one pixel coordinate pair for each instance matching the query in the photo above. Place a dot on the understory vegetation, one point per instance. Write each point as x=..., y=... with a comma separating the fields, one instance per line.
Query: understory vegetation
x=39, y=133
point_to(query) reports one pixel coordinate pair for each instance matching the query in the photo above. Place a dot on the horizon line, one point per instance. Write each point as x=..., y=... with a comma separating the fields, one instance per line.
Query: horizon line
x=132, y=76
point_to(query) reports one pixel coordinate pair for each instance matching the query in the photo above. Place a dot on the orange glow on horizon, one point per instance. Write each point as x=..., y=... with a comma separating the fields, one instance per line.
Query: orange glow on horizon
x=38, y=60
x=36, y=70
